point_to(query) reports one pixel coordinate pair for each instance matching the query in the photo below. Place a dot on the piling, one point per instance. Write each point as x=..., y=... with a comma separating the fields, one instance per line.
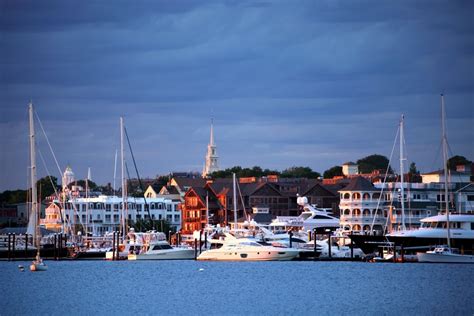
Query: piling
x=169, y=236
x=329, y=246
x=314, y=232
x=9, y=246
x=309, y=235
x=55, y=251
x=195, y=248
x=113, y=246
x=200, y=241
x=117, y=256
x=60, y=245
x=205, y=240
x=290, y=233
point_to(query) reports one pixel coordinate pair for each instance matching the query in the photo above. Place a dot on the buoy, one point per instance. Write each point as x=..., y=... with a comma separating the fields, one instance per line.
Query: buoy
x=201, y=269
x=21, y=268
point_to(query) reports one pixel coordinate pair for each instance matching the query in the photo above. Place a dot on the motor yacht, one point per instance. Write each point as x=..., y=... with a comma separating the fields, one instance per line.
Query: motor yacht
x=162, y=250
x=247, y=249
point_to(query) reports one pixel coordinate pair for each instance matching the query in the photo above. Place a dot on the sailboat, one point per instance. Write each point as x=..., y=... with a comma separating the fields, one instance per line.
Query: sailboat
x=445, y=254
x=37, y=264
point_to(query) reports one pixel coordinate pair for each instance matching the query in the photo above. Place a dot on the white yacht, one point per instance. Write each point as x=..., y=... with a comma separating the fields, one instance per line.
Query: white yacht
x=161, y=250
x=247, y=249
x=444, y=254
x=311, y=218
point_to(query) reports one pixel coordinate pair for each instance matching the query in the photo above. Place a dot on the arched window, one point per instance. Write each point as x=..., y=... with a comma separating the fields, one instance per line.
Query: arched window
x=366, y=212
x=347, y=196
x=356, y=227
x=356, y=196
x=366, y=196
x=366, y=228
x=376, y=196
x=346, y=212
x=356, y=212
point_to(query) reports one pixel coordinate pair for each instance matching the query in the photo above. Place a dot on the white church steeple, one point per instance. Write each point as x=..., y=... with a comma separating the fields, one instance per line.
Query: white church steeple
x=211, y=164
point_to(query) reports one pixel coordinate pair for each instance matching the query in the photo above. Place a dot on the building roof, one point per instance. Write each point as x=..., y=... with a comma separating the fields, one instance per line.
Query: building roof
x=441, y=172
x=349, y=163
x=359, y=184
x=190, y=182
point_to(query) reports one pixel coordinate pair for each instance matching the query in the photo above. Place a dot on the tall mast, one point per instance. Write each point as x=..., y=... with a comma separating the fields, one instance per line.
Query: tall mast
x=235, y=202
x=402, y=158
x=124, y=181
x=445, y=163
x=115, y=169
x=34, y=195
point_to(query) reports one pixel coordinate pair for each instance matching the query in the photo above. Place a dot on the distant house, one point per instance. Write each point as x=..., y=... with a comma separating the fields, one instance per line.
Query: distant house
x=453, y=177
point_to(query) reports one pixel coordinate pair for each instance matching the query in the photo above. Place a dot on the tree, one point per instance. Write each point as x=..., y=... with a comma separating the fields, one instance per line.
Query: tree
x=91, y=184
x=373, y=162
x=456, y=161
x=13, y=197
x=240, y=172
x=47, y=186
x=414, y=174
x=300, y=172
x=333, y=172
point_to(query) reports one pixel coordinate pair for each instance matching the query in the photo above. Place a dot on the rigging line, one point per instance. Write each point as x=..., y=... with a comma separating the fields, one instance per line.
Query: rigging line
x=384, y=180
x=47, y=140
x=138, y=176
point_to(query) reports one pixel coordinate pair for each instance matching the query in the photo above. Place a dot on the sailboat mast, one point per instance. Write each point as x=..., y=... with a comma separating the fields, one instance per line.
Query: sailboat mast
x=34, y=195
x=235, y=201
x=124, y=182
x=402, y=158
x=445, y=163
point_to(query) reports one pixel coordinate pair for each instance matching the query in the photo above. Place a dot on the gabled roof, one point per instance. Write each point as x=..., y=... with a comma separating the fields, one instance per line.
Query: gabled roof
x=190, y=182
x=359, y=184
x=202, y=193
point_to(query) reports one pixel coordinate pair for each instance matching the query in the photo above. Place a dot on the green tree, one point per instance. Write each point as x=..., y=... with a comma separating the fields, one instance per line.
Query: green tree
x=47, y=186
x=332, y=172
x=92, y=185
x=413, y=173
x=300, y=172
x=13, y=197
x=457, y=160
x=373, y=162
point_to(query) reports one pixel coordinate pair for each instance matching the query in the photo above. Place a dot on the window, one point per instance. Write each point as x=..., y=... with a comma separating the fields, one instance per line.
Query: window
x=366, y=196
x=470, y=198
x=356, y=196
x=347, y=196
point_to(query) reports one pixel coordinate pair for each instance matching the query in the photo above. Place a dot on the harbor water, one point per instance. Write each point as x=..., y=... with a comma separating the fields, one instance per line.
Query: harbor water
x=236, y=288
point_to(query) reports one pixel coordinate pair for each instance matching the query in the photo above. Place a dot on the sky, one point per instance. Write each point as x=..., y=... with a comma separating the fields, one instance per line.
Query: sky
x=288, y=83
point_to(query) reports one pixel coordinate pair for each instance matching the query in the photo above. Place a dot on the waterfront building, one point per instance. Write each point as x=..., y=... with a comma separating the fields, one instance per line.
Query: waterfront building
x=100, y=214
x=211, y=164
x=365, y=206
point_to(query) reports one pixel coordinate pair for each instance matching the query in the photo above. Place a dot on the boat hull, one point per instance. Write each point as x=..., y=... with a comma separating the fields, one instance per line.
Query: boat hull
x=262, y=255
x=181, y=254
x=370, y=244
x=444, y=258
x=38, y=267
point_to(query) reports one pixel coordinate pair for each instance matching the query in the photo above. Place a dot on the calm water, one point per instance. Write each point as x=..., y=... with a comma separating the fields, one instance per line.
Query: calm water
x=223, y=288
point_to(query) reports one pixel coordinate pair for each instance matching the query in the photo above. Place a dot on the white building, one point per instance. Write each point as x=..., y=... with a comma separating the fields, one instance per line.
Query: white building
x=350, y=168
x=68, y=177
x=361, y=200
x=102, y=214
x=211, y=163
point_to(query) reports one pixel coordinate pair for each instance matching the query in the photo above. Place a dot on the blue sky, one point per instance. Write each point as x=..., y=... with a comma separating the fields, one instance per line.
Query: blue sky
x=312, y=83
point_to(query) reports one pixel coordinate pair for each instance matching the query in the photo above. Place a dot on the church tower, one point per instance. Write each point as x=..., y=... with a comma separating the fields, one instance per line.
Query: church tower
x=211, y=156
x=68, y=177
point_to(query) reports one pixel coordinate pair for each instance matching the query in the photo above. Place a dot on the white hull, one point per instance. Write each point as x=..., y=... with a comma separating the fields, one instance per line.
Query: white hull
x=122, y=255
x=444, y=258
x=171, y=254
x=283, y=254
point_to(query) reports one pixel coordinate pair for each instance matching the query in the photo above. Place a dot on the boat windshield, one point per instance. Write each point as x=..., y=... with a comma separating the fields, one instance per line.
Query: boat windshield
x=249, y=243
x=305, y=216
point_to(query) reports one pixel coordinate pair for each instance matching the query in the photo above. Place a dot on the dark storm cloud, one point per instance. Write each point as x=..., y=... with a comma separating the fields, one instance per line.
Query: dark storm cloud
x=289, y=83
